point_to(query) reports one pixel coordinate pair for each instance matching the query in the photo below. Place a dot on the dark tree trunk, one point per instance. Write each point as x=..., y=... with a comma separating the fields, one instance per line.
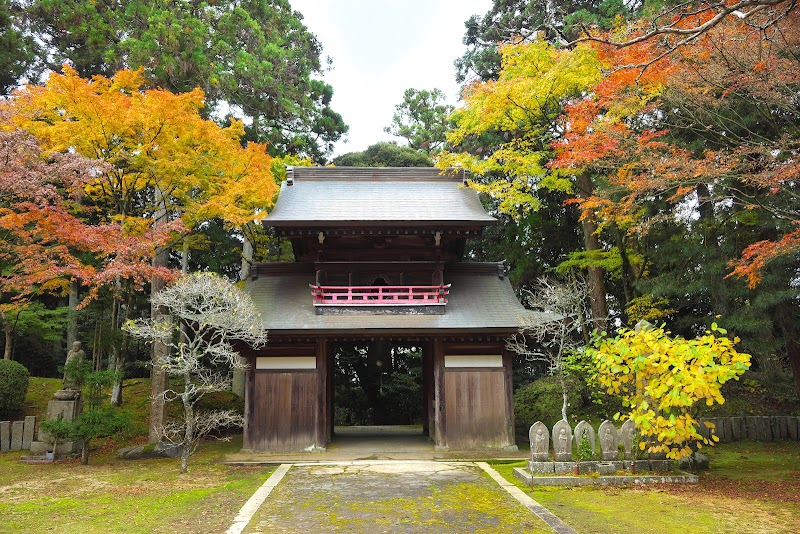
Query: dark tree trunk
x=627, y=271
x=715, y=279
x=247, y=257
x=188, y=415
x=9, y=337
x=595, y=275
x=117, y=359
x=369, y=376
x=85, y=452
x=793, y=354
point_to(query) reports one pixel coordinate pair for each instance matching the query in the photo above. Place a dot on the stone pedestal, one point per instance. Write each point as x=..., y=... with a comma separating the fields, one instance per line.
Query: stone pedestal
x=606, y=468
x=67, y=410
x=563, y=468
x=661, y=466
x=541, y=468
x=586, y=468
x=65, y=448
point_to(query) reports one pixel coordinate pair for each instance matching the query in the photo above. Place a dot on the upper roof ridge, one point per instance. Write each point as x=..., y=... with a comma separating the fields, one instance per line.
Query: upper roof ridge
x=378, y=196
x=375, y=173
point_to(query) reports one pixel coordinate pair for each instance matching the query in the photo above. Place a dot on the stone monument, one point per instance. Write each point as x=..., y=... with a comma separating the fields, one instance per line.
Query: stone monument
x=562, y=441
x=540, y=442
x=584, y=430
x=608, y=441
x=627, y=435
x=71, y=390
x=66, y=405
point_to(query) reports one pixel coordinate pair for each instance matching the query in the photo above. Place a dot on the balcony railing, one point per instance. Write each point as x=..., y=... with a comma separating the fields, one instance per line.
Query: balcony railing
x=380, y=295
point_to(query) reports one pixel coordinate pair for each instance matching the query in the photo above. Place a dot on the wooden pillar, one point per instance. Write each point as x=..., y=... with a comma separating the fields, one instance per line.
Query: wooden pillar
x=440, y=423
x=329, y=379
x=427, y=387
x=508, y=362
x=323, y=415
x=248, y=399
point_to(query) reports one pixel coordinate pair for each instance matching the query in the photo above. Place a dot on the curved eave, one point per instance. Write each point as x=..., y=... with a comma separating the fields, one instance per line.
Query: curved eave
x=480, y=302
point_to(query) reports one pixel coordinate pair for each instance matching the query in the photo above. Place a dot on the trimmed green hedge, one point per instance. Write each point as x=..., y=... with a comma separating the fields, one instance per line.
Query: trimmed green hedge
x=13, y=386
x=541, y=401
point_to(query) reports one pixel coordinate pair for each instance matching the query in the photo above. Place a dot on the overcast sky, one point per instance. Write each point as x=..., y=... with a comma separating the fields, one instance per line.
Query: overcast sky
x=381, y=48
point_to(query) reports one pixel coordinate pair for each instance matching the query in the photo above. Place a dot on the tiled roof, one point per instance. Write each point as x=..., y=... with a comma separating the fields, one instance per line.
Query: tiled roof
x=354, y=196
x=479, y=302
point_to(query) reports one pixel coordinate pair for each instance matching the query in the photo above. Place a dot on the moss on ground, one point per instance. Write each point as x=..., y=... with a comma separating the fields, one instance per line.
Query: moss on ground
x=747, y=460
x=111, y=495
x=383, y=502
x=752, y=484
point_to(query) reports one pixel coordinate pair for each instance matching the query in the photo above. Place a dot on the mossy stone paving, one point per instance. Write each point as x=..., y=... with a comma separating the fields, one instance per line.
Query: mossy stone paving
x=396, y=497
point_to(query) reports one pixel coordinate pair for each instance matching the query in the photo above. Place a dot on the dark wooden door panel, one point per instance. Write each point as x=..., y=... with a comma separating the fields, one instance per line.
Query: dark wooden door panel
x=475, y=409
x=284, y=411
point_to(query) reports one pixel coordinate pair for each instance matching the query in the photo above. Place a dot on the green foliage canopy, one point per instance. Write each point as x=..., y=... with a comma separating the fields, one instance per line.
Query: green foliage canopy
x=254, y=59
x=422, y=119
x=510, y=21
x=384, y=155
x=17, y=49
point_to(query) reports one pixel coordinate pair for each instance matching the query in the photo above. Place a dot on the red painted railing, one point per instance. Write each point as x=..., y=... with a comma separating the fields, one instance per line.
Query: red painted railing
x=380, y=295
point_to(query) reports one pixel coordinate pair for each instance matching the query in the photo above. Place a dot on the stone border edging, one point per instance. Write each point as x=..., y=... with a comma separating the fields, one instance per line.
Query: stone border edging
x=252, y=505
x=605, y=480
x=540, y=511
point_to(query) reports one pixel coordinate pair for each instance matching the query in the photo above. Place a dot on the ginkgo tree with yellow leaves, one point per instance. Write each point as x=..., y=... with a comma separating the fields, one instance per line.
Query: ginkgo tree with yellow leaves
x=661, y=379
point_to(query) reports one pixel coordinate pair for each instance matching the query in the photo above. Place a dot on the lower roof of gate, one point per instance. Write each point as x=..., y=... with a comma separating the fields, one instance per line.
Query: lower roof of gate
x=480, y=301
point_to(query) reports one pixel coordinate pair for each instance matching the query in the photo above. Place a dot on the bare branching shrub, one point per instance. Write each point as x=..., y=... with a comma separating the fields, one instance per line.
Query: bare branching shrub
x=567, y=331
x=209, y=315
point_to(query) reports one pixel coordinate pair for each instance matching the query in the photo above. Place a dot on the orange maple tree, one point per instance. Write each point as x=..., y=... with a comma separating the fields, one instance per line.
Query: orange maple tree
x=165, y=162
x=738, y=83
x=45, y=242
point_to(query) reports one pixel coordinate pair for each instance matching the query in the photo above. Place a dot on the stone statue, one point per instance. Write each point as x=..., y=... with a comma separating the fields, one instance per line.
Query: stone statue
x=540, y=442
x=72, y=389
x=584, y=429
x=628, y=434
x=608, y=441
x=562, y=441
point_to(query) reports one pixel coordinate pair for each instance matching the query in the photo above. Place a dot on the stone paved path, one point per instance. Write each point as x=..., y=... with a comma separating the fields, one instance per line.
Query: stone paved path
x=395, y=497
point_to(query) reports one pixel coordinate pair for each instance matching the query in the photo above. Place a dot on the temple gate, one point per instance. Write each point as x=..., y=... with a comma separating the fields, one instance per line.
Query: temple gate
x=380, y=257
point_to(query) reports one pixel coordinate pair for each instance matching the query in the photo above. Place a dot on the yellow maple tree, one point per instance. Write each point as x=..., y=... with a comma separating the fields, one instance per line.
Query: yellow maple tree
x=152, y=139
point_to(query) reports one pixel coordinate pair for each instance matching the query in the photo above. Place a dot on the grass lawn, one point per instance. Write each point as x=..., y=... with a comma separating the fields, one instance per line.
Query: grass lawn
x=751, y=487
x=111, y=495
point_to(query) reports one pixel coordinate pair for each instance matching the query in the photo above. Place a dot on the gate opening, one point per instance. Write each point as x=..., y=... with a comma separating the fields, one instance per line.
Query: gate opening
x=379, y=392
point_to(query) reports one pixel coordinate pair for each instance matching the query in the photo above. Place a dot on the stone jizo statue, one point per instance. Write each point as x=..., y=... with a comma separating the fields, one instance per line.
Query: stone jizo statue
x=584, y=430
x=71, y=388
x=608, y=440
x=562, y=441
x=627, y=435
x=540, y=442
